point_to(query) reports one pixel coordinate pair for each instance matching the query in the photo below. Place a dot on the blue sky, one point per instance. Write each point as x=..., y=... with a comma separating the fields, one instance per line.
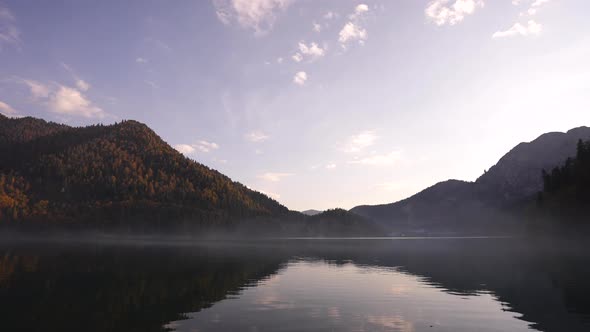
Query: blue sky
x=319, y=104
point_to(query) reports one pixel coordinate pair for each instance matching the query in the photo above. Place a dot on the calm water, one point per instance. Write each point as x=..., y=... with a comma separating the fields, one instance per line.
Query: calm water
x=297, y=285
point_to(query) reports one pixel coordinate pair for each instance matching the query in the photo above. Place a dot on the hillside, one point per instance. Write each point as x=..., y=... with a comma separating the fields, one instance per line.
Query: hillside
x=113, y=174
x=486, y=204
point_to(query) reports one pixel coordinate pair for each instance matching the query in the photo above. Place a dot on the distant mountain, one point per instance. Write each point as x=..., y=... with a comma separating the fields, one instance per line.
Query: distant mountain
x=118, y=174
x=486, y=204
x=311, y=212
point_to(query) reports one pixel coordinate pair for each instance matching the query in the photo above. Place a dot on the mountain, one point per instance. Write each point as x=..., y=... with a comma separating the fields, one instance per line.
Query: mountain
x=311, y=212
x=564, y=203
x=486, y=204
x=116, y=175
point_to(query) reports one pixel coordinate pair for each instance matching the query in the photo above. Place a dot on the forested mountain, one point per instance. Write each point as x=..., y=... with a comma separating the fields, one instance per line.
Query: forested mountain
x=489, y=203
x=109, y=174
x=565, y=198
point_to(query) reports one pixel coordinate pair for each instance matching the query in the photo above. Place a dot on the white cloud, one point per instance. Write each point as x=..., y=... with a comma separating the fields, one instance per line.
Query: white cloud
x=330, y=15
x=317, y=27
x=7, y=109
x=9, y=33
x=270, y=194
x=353, y=29
x=279, y=60
x=362, y=8
x=300, y=78
x=38, y=90
x=82, y=85
x=274, y=177
x=256, y=136
x=259, y=15
x=532, y=28
x=153, y=84
x=350, y=32
x=360, y=141
x=535, y=6
x=141, y=60
x=63, y=99
x=205, y=146
x=378, y=160
x=312, y=50
x=69, y=101
x=330, y=166
x=297, y=57
x=185, y=149
x=202, y=146
x=442, y=12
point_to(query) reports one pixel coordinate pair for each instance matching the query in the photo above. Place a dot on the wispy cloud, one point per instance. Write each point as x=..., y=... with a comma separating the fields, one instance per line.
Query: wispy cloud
x=300, y=78
x=379, y=159
x=258, y=15
x=360, y=141
x=9, y=33
x=80, y=83
x=7, y=109
x=442, y=12
x=274, y=177
x=141, y=60
x=256, y=136
x=530, y=29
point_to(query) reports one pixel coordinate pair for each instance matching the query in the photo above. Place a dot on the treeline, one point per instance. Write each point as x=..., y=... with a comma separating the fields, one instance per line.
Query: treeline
x=57, y=173
x=566, y=189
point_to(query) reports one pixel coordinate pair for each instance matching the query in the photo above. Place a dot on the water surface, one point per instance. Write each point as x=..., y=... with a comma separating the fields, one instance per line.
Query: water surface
x=295, y=285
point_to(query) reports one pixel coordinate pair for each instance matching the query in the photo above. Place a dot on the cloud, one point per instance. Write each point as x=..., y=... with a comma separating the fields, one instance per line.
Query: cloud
x=378, y=160
x=141, y=60
x=38, y=90
x=7, y=109
x=532, y=28
x=312, y=51
x=9, y=33
x=69, y=101
x=258, y=15
x=330, y=166
x=297, y=57
x=300, y=78
x=185, y=149
x=82, y=85
x=535, y=6
x=360, y=141
x=256, y=136
x=205, y=146
x=202, y=146
x=330, y=15
x=274, y=177
x=272, y=195
x=317, y=27
x=353, y=29
x=442, y=12
x=279, y=60
x=64, y=100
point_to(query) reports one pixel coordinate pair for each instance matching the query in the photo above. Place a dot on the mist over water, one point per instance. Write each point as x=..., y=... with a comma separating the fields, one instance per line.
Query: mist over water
x=467, y=284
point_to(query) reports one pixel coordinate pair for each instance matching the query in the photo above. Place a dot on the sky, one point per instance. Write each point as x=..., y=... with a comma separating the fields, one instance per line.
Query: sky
x=318, y=104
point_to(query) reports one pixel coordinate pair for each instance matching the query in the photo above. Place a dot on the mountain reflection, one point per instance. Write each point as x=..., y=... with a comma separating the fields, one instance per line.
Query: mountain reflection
x=406, y=285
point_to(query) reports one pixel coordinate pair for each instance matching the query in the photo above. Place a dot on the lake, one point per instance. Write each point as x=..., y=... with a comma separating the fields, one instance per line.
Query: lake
x=477, y=284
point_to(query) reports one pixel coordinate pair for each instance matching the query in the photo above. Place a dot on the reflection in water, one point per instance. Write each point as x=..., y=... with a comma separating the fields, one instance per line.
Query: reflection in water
x=425, y=285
